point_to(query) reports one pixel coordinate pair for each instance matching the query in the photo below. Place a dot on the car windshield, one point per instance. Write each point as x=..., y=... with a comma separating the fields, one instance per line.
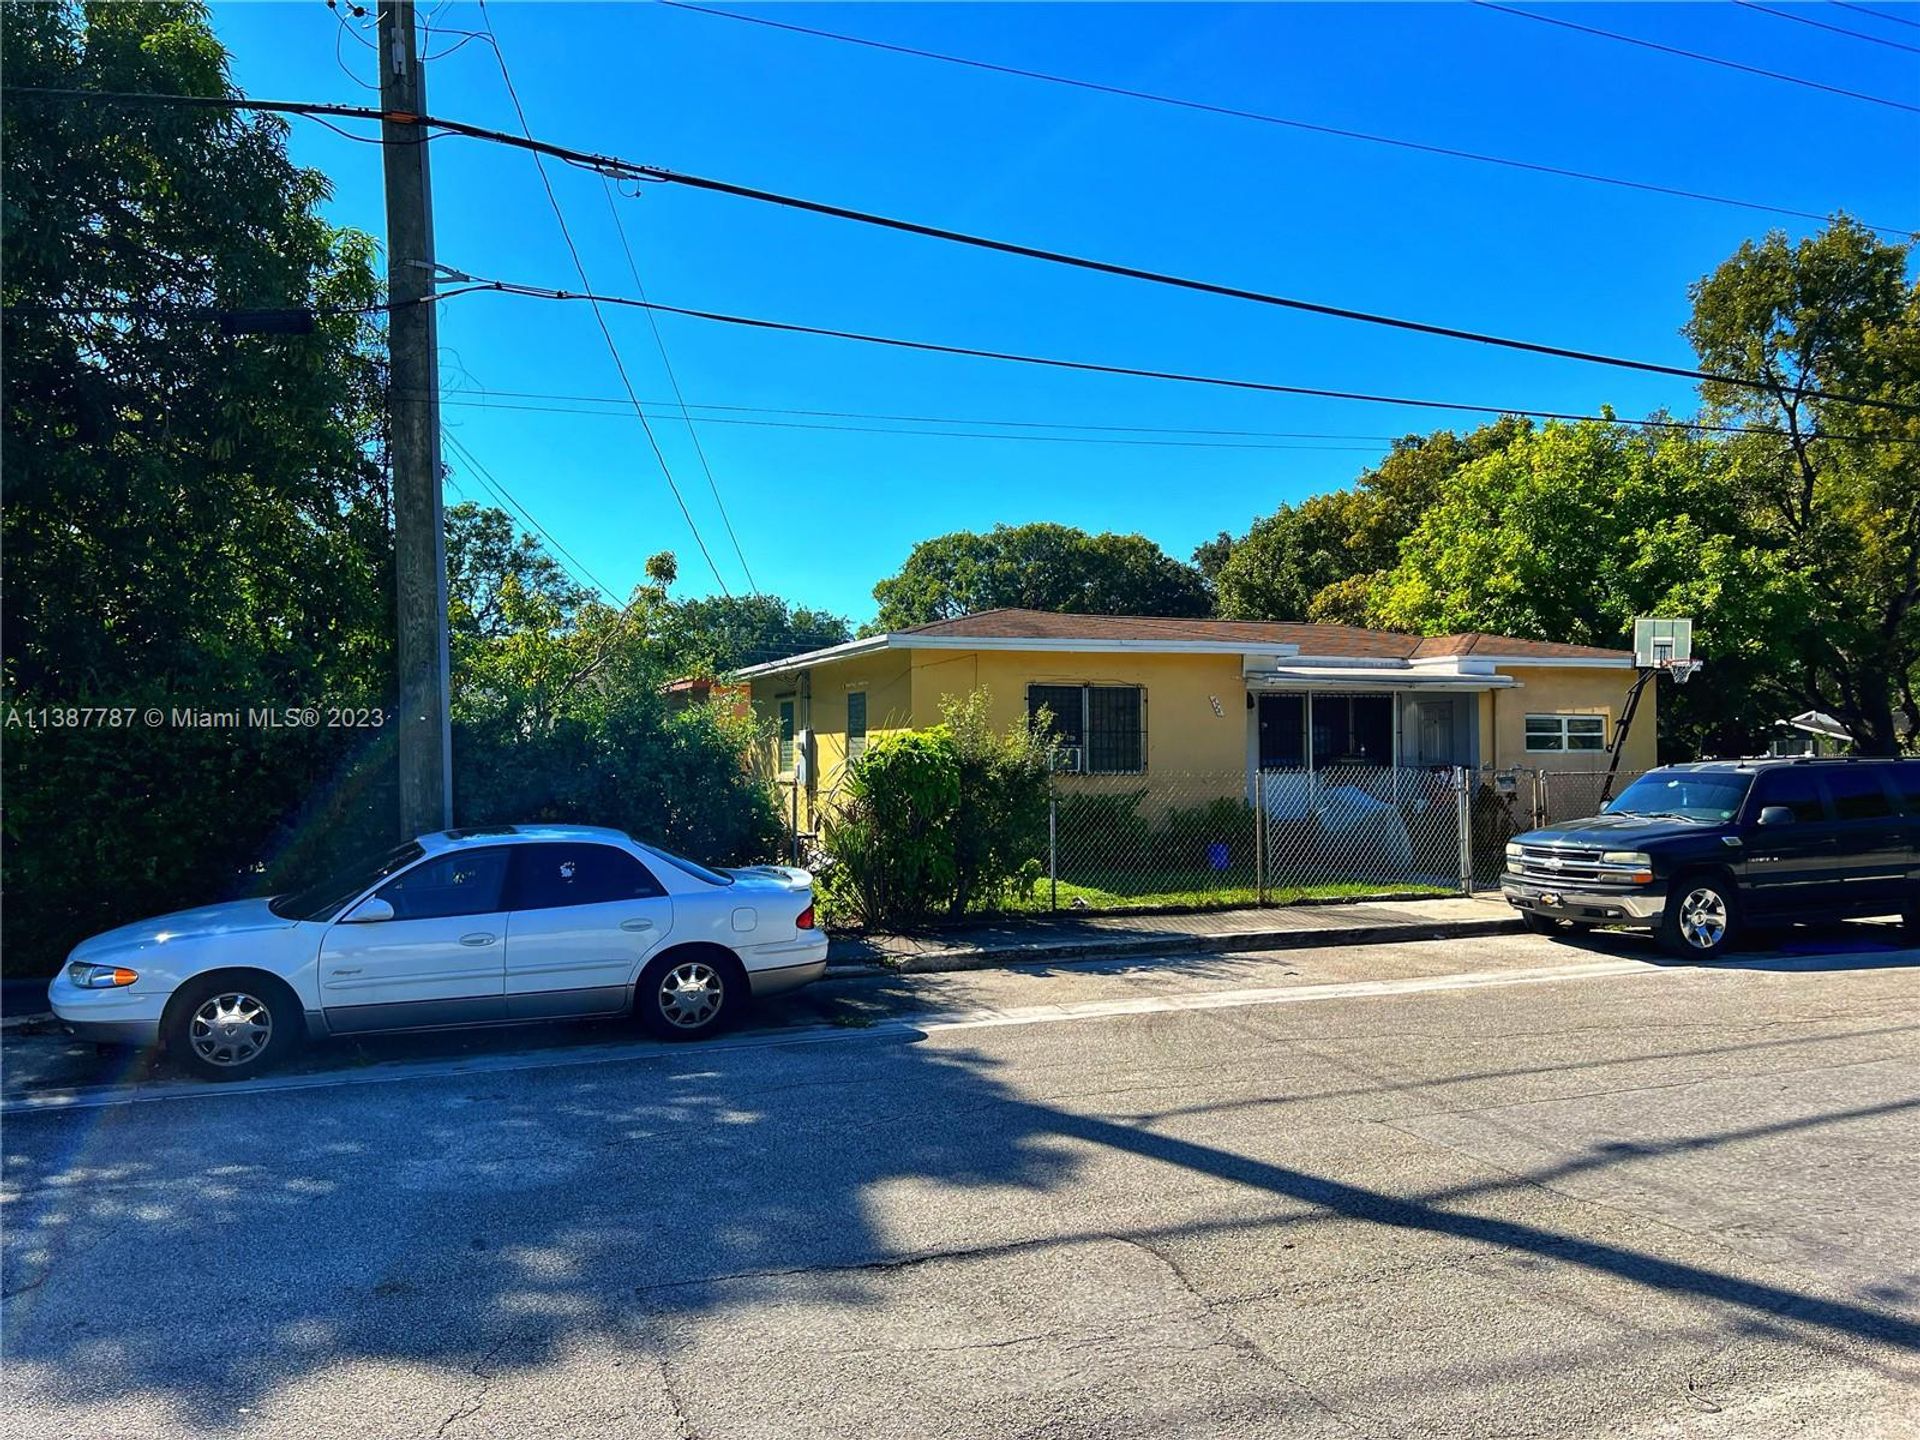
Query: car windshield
x=322, y=899
x=688, y=867
x=1686, y=795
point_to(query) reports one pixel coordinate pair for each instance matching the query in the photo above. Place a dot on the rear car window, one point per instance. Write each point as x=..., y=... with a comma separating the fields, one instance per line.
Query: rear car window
x=550, y=875
x=1857, y=793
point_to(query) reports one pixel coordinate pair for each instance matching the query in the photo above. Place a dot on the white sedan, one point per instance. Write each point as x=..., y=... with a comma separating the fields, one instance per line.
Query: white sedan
x=461, y=927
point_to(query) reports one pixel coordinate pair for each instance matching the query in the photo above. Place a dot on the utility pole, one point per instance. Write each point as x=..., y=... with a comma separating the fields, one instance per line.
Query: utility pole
x=424, y=738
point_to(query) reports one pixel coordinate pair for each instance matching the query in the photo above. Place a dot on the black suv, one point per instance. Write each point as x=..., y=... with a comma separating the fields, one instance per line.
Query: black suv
x=1697, y=853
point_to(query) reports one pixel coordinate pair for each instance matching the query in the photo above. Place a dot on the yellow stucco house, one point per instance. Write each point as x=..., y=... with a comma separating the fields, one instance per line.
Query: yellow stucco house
x=1192, y=705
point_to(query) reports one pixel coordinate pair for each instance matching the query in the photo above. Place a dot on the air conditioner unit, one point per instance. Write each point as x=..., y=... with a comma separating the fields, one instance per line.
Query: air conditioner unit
x=1070, y=760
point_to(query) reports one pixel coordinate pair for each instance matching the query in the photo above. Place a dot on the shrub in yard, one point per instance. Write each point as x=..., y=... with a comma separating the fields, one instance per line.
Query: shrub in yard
x=888, y=841
x=999, y=825
x=939, y=821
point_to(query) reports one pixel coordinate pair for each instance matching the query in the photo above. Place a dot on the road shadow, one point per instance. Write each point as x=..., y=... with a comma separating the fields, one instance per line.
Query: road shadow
x=207, y=1252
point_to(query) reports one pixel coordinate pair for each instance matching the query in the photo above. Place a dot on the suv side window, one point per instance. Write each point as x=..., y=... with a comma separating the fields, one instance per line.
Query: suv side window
x=1857, y=793
x=554, y=873
x=1795, y=787
x=467, y=882
x=1905, y=775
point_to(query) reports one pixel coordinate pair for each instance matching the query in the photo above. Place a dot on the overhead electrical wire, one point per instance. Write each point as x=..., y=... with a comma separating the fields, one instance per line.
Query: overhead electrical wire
x=611, y=165
x=1876, y=14
x=537, y=292
x=582, y=576
x=1238, y=113
x=1703, y=59
x=921, y=419
x=1195, y=444
x=606, y=332
x=1822, y=25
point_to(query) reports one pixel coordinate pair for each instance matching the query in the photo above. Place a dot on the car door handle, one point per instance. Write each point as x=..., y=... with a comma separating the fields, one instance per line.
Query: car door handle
x=636, y=924
x=479, y=938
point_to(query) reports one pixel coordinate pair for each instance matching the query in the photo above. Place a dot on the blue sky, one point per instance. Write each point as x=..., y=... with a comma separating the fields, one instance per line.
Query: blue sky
x=823, y=513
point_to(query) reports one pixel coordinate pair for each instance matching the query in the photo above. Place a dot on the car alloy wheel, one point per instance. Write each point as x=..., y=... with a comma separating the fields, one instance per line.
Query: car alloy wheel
x=691, y=995
x=230, y=1029
x=1703, y=918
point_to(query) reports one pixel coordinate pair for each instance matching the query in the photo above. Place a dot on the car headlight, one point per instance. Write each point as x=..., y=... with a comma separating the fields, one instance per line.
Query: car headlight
x=1513, y=849
x=100, y=977
x=1639, y=859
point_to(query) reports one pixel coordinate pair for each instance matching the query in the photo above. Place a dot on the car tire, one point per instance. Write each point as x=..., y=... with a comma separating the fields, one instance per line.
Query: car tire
x=232, y=1026
x=1702, y=919
x=689, y=994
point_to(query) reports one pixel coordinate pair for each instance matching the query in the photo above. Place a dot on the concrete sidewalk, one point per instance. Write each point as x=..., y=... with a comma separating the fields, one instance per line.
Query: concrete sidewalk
x=1081, y=937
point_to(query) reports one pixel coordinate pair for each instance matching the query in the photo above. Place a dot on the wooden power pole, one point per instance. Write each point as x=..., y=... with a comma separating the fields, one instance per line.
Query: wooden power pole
x=424, y=737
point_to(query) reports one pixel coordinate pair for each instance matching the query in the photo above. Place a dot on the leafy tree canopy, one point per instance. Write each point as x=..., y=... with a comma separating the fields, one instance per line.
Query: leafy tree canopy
x=1038, y=567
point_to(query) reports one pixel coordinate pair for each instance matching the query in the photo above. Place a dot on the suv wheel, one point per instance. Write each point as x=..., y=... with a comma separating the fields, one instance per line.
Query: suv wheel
x=1702, y=917
x=225, y=1027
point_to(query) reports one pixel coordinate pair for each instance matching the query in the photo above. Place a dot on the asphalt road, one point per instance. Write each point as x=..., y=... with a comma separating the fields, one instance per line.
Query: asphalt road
x=1500, y=1187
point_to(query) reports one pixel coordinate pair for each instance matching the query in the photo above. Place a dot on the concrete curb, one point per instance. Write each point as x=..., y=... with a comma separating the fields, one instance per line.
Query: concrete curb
x=1120, y=947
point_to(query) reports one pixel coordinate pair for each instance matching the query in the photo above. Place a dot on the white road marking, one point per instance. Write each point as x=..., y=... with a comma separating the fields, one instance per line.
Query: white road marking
x=66, y=1101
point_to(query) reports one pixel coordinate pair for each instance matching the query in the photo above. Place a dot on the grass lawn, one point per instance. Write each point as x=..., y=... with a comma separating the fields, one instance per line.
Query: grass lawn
x=1170, y=889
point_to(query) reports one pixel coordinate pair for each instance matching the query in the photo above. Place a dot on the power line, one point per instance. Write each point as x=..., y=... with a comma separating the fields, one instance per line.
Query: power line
x=1822, y=25
x=486, y=477
x=1703, y=59
x=606, y=332
x=919, y=419
x=1237, y=113
x=666, y=364
x=1876, y=14
x=1265, y=387
x=610, y=165
x=940, y=434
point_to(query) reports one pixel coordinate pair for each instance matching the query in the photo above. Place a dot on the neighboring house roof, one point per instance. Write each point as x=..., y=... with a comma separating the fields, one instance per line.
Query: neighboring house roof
x=1043, y=630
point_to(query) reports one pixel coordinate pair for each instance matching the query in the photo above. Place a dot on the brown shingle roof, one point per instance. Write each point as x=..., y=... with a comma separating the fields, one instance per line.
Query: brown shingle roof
x=1335, y=640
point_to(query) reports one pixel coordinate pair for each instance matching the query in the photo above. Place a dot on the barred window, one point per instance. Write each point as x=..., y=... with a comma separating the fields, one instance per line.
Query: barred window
x=1106, y=723
x=786, y=734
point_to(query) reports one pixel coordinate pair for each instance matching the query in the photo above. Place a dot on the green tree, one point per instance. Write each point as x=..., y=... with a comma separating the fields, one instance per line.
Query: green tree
x=192, y=519
x=1569, y=532
x=1834, y=495
x=1038, y=567
x=720, y=633
x=1316, y=560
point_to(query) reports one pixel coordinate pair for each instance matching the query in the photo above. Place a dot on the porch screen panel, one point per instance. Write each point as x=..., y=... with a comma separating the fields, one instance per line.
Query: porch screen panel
x=1115, y=733
x=1373, y=728
x=1283, y=732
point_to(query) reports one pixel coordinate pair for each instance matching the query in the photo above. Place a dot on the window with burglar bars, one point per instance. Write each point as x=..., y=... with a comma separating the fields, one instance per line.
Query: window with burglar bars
x=856, y=723
x=1105, y=723
x=786, y=734
x=1566, y=732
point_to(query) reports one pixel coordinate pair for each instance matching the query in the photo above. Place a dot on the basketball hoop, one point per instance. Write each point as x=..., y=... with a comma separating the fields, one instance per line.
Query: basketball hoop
x=1681, y=671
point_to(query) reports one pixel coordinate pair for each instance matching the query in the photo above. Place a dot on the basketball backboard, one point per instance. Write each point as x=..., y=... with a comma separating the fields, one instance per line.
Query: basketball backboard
x=1662, y=644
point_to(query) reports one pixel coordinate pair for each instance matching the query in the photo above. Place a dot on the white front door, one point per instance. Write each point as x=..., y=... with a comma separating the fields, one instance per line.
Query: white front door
x=584, y=917
x=441, y=959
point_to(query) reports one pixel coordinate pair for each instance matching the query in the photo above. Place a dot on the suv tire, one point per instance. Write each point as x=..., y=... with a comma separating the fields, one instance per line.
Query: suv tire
x=1702, y=919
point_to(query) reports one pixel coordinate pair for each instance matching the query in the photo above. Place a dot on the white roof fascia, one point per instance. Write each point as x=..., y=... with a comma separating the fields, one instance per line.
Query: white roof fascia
x=814, y=657
x=1376, y=678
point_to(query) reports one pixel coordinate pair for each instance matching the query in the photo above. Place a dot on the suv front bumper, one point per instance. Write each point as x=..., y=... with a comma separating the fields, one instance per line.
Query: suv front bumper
x=1639, y=906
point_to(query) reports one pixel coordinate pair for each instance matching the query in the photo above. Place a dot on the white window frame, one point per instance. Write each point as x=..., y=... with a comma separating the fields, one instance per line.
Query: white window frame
x=1562, y=733
x=786, y=748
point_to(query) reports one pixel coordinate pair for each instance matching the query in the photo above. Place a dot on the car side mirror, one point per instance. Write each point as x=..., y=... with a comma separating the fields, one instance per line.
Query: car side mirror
x=1776, y=815
x=368, y=911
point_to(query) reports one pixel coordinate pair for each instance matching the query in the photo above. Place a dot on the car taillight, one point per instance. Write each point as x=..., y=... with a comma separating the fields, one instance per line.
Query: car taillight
x=805, y=921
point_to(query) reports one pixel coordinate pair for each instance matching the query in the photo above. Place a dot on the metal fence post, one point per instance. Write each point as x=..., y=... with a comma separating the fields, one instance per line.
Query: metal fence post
x=1053, y=850
x=1260, y=836
x=1463, y=810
